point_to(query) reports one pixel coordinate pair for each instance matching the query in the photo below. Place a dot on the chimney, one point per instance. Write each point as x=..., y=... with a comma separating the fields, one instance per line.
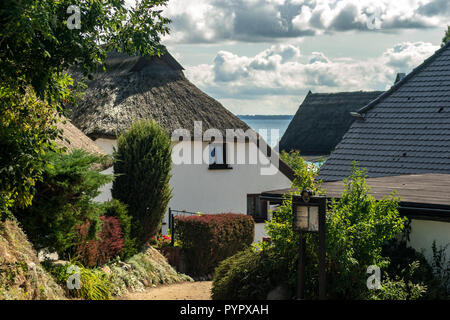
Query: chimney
x=399, y=77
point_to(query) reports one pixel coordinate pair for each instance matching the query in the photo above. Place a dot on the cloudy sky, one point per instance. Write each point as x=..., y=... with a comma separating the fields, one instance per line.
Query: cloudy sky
x=263, y=56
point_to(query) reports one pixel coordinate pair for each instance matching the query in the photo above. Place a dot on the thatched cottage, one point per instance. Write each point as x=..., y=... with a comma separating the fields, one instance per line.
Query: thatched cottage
x=135, y=87
x=322, y=120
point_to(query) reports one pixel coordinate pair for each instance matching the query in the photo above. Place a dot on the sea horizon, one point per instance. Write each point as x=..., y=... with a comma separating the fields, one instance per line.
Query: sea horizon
x=268, y=122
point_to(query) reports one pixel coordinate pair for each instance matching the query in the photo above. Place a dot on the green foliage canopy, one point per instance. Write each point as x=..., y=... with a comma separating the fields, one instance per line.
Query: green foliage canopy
x=36, y=50
x=447, y=36
x=37, y=47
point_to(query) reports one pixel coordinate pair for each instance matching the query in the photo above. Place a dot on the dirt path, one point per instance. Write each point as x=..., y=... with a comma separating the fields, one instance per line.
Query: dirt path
x=200, y=290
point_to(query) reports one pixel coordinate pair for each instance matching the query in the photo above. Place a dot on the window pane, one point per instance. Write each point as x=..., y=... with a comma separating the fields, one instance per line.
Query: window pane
x=314, y=219
x=212, y=154
x=302, y=217
x=215, y=153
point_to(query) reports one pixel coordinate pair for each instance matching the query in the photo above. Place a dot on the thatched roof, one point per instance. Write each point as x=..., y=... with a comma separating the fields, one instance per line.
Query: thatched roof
x=322, y=120
x=74, y=138
x=135, y=87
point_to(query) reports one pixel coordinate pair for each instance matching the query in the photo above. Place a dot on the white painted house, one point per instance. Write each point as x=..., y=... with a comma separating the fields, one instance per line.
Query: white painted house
x=209, y=175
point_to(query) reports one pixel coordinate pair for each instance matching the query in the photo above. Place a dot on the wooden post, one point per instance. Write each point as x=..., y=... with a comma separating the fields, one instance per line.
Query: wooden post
x=172, y=228
x=301, y=267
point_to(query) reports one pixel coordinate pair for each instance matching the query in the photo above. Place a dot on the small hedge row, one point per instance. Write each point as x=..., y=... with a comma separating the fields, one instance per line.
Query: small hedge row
x=247, y=275
x=208, y=239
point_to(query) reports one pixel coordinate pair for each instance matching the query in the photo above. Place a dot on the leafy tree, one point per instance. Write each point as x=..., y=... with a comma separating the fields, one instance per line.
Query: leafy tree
x=305, y=173
x=357, y=228
x=36, y=49
x=142, y=163
x=62, y=201
x=447, y=36
x=27, y=127
x=37, y=46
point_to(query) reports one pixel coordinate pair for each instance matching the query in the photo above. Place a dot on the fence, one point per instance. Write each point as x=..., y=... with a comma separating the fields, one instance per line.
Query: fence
x=172, y=226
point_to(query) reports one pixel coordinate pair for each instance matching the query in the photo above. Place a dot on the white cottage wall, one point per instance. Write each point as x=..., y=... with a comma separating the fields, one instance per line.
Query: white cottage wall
x=424, y=232
x=197, y=188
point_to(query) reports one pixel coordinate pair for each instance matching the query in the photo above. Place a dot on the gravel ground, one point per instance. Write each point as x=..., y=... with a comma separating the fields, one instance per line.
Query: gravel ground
x=199, y=290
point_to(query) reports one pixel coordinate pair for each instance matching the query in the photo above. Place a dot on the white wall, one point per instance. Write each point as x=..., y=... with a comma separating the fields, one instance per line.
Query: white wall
x=107, y=145
x=105, y=191
x=196, y=188
x=424, y=232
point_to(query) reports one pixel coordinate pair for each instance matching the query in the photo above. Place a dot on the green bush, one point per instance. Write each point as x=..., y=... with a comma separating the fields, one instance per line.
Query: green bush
x=208, y=239
x=94, y=283
x=357, y=227
x=441, y=271
x=63, y=200
x=142, y=163
x=401, y=287
x=247, y=275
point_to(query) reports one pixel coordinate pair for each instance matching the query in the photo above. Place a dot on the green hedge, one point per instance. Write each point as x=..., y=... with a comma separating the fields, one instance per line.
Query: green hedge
x=208, y=239
x=247, y=275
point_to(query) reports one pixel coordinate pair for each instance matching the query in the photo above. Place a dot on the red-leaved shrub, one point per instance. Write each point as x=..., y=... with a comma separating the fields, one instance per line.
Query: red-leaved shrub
x=107, y=244
x=208, y=239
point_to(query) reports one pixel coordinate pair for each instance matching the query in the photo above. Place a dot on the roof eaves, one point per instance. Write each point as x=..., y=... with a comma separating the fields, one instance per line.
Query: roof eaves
x=403, y=80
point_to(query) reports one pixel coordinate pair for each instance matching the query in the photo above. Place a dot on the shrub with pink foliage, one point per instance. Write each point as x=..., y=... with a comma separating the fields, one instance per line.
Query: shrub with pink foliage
x=107, y=244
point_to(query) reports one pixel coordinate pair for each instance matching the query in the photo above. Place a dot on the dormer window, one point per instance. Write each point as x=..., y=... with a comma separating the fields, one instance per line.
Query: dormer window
x=218, y=156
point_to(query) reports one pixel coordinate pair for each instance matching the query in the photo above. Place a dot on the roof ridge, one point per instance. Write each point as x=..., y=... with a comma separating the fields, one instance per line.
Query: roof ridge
x=345, y=92
x=397, y=85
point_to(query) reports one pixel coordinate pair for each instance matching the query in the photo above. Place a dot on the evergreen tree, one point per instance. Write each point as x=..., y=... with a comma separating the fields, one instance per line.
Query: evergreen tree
x=63, y=200
x=142, y=163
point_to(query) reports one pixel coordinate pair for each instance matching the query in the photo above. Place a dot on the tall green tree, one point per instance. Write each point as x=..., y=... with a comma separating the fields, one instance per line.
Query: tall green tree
x=142, y=163
x=447, y=36
x=39, y=41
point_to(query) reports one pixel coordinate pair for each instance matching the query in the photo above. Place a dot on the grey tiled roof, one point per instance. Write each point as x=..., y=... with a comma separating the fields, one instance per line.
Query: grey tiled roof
x=405, y=131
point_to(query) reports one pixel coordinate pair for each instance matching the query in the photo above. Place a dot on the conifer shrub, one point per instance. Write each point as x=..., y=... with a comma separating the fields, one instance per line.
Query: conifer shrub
x=208, y=239
x=62, y=201
x=142, y=164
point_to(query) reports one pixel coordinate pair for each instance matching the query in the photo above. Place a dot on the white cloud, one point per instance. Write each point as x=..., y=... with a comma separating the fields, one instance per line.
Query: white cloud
x=406, y=55
x=213, y=21
x=253, y=83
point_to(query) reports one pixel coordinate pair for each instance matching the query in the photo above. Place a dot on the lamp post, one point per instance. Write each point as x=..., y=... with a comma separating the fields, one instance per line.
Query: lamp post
x=309, y=216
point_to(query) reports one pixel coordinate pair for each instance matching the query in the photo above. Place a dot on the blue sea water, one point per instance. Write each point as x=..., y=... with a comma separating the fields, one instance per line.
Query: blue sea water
x=263, y=122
